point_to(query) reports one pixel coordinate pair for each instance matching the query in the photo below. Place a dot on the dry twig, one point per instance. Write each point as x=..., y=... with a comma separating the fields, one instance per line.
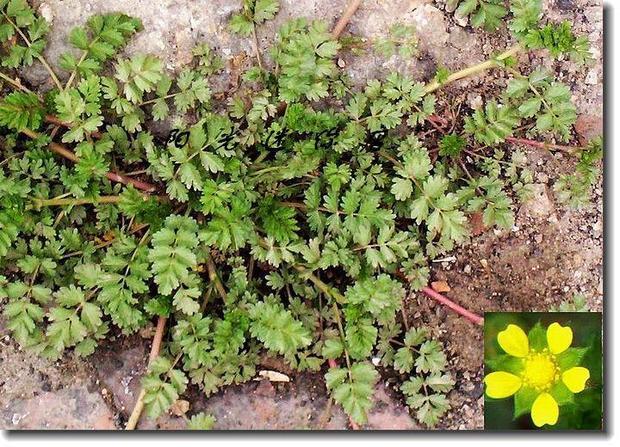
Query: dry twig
x=344, y=19
x=155, y=347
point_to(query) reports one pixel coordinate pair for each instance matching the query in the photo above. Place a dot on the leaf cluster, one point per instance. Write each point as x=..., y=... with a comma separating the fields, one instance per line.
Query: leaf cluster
x=401, y=40
x=22, y=34
x=485, y=14
x=253, y=12
x=423, y=360
x=541, y=98
x=99, y=40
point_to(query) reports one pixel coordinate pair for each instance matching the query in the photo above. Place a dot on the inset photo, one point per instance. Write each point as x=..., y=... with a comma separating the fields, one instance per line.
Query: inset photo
x=543, y=371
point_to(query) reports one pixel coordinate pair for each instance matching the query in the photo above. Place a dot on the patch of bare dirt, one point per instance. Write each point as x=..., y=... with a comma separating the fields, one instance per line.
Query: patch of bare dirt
x=39, y=394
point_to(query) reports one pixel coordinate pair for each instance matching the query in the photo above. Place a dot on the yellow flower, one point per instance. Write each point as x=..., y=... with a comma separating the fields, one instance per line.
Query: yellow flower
x=539, y=371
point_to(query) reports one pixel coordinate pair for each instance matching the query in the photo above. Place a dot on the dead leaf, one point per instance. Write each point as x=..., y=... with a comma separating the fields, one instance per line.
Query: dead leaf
x=274, y=376
x=477, y=224
x=440, y=286
x=108, y=236
x=179, y=407
x=148, y=331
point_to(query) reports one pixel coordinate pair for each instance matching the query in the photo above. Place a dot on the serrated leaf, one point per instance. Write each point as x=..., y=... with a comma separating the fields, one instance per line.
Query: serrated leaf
x=524, y=399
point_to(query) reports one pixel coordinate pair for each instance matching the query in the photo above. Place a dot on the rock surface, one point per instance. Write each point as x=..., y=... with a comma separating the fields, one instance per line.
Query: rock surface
x=39, y=394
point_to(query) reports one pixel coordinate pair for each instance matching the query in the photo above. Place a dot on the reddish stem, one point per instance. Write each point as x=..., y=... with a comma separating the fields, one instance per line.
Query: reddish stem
x=118, y=178
x=543, y=145
x=438, y=119
x=439, y=122
x=112, y=176
x=157, y=338
x=474, y=318
x=57, y=122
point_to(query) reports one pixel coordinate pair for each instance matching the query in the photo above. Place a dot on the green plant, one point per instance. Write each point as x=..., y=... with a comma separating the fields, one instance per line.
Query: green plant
x=201, y=421
x=278, y=221
x=577, y=303
x=254, y=13
x=576, y=188
x=401, y=39
x=483, y=13
x=429, y=382
x=539, y=96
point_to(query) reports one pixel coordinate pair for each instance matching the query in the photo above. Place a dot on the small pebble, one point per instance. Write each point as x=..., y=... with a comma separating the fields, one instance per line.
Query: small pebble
x=592, y=77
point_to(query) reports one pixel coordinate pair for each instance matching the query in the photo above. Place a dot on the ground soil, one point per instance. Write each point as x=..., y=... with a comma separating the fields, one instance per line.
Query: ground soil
x=550, y=254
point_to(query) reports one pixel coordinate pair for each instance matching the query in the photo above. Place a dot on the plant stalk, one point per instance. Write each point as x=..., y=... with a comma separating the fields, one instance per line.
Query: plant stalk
x=571, y=150
x=71, y=201
x=327, y=290
x=333, y=364
x=152, y=101
x=256, y=47
x=477, y=319
x=74, y=72
x=16, y=84
x=112, y=176
x=345, y=18
x=474, y=318
x=474, y=69
x=215, y=279
x=155, y=347
x=39, y=57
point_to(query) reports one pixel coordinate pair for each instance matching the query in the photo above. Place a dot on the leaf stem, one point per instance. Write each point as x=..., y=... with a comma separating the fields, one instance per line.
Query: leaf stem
x=474, y=69
x=215, y=279
x=39, y=57
x=474, y=318
x=155, y=347
x=106, y=243
x=342, y=336
x=327, y=290
x=15, y=83
x=51, y=72
x=151, y=101
x=571, y=150
x=74, y=72
x=39, y=203
x=58, y=122
x=345, y=18
x=256, y=47
x=354, y=426
x=112, y=176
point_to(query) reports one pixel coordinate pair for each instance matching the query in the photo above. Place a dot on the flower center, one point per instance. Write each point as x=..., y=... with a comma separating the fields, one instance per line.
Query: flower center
x=540, y=370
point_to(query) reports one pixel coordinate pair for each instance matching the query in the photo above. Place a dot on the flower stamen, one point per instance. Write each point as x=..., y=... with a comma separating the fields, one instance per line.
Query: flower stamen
x=540, y=370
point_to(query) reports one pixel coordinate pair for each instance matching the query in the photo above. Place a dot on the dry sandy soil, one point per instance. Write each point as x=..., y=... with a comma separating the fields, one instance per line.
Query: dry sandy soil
x=551, y=253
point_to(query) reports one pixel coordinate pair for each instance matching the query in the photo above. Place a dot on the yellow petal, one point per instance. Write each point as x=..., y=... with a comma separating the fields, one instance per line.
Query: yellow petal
x=513, y=341
x=559, y=338
x=501, y=384
x=545, y=410
x=575, y=378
